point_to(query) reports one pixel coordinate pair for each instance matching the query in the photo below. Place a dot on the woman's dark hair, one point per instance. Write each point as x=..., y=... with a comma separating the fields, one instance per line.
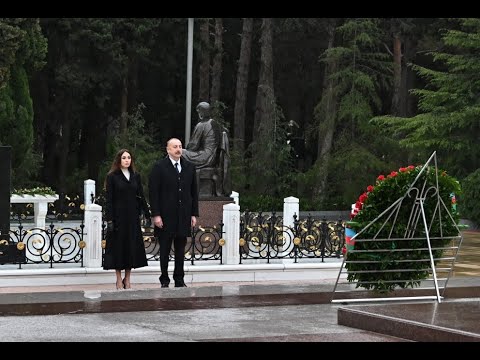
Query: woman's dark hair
x=117, y=164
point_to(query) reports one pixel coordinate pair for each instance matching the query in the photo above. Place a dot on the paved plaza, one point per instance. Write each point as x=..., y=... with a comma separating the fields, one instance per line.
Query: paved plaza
x=268, y=311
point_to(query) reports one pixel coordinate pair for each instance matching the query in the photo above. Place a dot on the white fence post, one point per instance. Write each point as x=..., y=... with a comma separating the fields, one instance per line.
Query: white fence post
x=88, y=191
x=231, y=228
x=236, y=197
x=92, y=253
x=290, y=207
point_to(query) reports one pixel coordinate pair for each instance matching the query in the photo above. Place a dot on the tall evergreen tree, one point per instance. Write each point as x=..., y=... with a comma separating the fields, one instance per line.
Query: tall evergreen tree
x=362, y=69
x=24, y=51
x=449, y=105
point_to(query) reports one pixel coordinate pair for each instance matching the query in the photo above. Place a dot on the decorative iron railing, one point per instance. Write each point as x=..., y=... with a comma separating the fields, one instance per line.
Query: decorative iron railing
x=49, y=245
x=263, y=236
x=317, y=238
x=204, y=244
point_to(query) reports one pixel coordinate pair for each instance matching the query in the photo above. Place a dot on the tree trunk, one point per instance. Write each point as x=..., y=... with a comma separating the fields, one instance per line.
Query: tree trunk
x=327, y=128
x=124, y=106
x=411, y=44
x=397, y=76
x=64, y=144
x=217, y=61
x=204, y=71
x=132, y=83
x=50, y=150
x=95, y=139
x=264, y=120
x=40, y=92
x=241, y=88
x=265, y=92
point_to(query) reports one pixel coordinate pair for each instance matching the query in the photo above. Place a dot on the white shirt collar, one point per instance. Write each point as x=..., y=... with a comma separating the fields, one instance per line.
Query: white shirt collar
x=173, y=161
x=126, y=172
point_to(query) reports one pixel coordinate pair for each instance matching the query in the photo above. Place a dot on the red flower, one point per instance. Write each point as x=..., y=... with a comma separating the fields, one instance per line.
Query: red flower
x=370, y=188
x=381, y=178
x=363, y=197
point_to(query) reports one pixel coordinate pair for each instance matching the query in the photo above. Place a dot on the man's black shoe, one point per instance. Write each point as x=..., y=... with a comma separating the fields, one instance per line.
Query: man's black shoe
x=164, y=285
x=180, y=284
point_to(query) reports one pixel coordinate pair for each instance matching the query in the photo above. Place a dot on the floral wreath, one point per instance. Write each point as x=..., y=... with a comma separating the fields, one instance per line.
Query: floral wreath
x=377, y=254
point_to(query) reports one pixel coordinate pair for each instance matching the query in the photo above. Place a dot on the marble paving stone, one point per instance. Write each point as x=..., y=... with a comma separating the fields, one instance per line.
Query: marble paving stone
x=432, y=321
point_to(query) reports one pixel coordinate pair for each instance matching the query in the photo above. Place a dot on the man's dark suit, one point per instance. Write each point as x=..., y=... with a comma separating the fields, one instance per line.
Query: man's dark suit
x=174, y=197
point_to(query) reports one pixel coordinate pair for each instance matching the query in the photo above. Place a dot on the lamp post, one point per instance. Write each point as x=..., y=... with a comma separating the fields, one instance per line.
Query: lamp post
x=188, y=110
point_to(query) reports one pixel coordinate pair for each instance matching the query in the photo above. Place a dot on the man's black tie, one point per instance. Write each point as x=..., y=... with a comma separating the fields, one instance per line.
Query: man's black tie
x=176, y=167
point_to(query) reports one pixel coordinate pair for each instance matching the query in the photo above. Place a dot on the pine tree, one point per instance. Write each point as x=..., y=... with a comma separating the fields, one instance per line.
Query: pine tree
x=449, y=106
x=359, y=70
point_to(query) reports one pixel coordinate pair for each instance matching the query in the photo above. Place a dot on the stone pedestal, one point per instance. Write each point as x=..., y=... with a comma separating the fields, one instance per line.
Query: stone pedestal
x=211, y=210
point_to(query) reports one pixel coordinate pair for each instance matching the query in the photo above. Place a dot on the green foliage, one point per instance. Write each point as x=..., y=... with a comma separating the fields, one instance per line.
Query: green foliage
x=10, y=40
x=362, y=68
x=21, y=135
x=75, y=179
x=218, y=109
x=352, y=164
x=237, y=171
x=138, y=140
x=22, y=51
x=270, y=158
x=21, y=43
x=470, y=198
x=449, y=104
x=350, y=168
x=27, y=174
x=374, y=201
x=16, y=122
x=257, y=203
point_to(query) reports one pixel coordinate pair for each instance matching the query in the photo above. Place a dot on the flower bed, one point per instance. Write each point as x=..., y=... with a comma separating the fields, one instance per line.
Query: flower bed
x=44, y=191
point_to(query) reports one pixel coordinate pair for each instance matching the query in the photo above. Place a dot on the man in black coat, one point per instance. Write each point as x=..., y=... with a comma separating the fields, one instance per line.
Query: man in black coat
x=174, y=208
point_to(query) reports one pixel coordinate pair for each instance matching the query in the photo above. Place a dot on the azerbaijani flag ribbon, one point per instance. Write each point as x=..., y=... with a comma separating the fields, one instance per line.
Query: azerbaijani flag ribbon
x=349, y=234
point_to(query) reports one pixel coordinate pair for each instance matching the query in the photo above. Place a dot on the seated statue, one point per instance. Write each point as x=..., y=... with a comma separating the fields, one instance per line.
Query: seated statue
x=208, y=150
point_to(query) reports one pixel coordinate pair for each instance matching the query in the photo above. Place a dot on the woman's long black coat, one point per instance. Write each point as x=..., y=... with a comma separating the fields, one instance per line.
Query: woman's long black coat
x=124, y=203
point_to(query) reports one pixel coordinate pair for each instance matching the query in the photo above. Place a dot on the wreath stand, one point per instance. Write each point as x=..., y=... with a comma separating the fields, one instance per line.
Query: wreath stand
x=431, y=288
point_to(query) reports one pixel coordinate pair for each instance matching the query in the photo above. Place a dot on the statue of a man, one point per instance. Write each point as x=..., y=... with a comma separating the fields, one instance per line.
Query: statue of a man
x=208, y=150
x=202, y=147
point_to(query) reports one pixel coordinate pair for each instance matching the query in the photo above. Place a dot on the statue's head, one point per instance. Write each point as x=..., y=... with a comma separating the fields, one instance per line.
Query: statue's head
x=203, y=110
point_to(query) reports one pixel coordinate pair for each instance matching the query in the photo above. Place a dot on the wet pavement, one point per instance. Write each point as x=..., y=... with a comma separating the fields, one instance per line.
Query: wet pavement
x=241, y=312
x=226, y=313
x=238, y=313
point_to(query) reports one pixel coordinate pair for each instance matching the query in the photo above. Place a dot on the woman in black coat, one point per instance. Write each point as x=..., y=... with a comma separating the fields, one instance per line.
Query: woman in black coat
x=125, y=202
